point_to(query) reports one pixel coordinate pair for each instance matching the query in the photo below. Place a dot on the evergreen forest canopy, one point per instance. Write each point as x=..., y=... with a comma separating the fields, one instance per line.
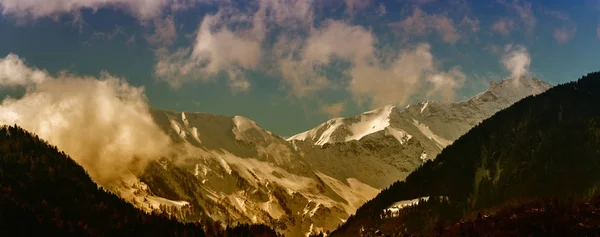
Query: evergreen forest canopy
x=43, y=192
x=545, y=146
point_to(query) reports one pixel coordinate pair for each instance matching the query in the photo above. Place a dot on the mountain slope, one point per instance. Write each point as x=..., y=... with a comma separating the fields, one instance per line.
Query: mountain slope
x=235, y=171
x=45, y=193
x=393, y=141
x=542, y=146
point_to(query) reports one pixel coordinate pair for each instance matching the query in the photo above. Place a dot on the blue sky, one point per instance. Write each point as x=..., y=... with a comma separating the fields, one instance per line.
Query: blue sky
x=290, y=64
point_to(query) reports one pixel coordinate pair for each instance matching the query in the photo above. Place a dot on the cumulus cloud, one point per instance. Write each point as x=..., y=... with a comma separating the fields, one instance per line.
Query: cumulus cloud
x=563, y=35
x=393, y=79
x=420, y=23
x=516, y=60
x=445, y=84
x=414, y=71
x=102, y=123
x=14, y=73
x=332, y=110
x=214, y=51
x=301, y=63
x=231, y=42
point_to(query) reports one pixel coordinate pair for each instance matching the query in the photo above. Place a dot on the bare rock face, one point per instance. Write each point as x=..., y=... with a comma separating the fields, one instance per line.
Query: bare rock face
x=234, y=171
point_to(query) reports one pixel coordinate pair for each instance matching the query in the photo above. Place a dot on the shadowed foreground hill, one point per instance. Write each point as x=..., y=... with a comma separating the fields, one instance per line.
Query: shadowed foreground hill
x=43, y=192
x=544, y=146
x=536, y=218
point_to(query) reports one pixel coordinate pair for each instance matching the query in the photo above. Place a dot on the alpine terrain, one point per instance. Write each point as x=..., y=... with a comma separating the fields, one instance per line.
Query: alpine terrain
x=542, y=147
x=231, y=170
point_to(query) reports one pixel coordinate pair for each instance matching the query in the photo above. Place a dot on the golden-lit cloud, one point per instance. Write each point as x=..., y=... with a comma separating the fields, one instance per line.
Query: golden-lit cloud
x=103, y=123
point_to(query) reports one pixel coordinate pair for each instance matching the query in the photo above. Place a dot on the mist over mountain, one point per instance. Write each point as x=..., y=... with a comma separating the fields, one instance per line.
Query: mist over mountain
x=44, y=192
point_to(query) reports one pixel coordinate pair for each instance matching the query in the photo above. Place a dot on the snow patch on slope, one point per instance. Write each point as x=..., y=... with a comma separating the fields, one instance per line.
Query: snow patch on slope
x=184, y=119
x=423, y=156
x=370, y=122
x=424, y=105
x=399, y=134
x=135, y=191
x=326, y=135
x=243, y=124
x=442, y=142
x=184, y=128
x=177, y=129
x=395, y=207
x=355, y=192
x=155, y=202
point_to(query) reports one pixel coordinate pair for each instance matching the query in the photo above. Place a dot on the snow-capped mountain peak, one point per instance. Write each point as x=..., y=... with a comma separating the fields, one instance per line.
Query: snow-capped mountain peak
x=348, y=129
x=370, y=122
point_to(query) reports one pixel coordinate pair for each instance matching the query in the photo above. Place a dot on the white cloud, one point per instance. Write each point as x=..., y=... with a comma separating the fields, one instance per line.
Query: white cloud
x=338, y=39
x=355, y=5
x=223, y=46
x=333, y=110
x=395, y=79
x=289, y=13
x=504, y=26
x=214, y=51
x=102, y=123
x=413, y=72
x=522, y=9
x=381, y=10
x=164, y=33
x=301, y=62
x=568, y=29
x=516, y=60
x=445, y=84
x=473, y=23
x=563, y=34
x=143, y=9
x=14, y=73
x=420, y=23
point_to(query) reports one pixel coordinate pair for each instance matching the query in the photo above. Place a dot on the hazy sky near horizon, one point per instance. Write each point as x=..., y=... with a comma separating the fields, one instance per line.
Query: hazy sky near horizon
x=292, y=64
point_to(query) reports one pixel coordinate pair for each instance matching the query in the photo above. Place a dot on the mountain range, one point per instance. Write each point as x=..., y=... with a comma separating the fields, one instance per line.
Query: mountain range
x=233, y=171
x=541, y=148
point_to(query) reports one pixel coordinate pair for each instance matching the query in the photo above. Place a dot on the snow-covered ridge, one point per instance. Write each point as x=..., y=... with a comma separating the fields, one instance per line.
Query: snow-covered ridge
x=330, y=127
x=368, y=123
x=442, y=142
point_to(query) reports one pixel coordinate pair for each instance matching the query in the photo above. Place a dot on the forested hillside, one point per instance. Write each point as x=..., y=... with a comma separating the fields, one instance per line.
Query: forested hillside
x=544, y=146
x=43, y=192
